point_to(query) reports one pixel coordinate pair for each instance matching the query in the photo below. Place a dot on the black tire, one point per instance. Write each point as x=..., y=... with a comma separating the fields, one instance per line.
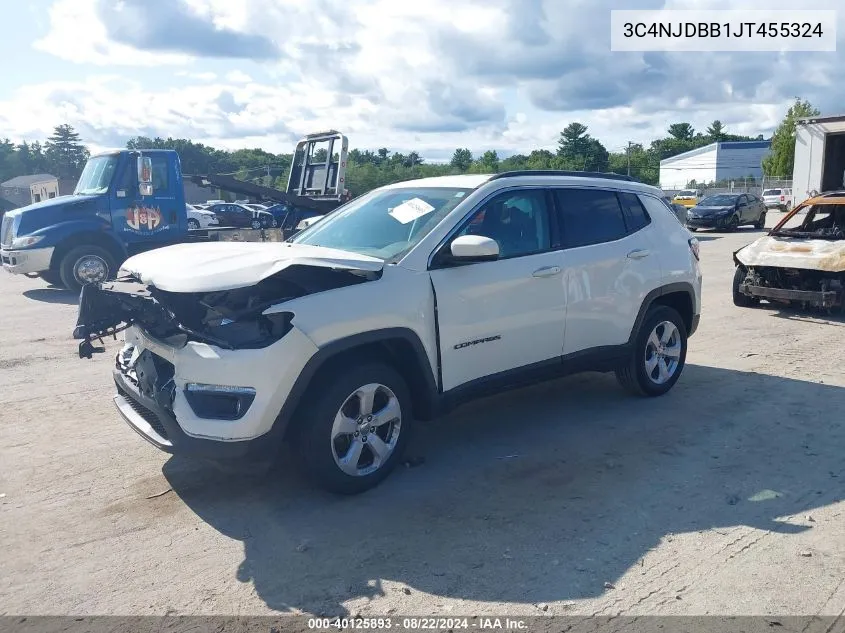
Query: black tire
x=633, y=375
x=52, y=277
x=733, y=224
x=193, y=225
x=256, y=224
x=761, y=221
x=692, y=229
x=313, y=423
x=69, y=266
x=742, y=300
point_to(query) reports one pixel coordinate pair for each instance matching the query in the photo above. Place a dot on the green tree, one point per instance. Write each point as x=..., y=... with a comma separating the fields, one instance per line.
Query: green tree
x=461, y=159
x=781, y=159
x=65, y=152
x=716, y=131
x=681, y=131
x=580, y=151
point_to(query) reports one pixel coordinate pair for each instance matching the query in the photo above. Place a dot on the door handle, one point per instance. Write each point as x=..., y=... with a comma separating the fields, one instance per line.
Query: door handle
x=547, y=271
x=639, y=253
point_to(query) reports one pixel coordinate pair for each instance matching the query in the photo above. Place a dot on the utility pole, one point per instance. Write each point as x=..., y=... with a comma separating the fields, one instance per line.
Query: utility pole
x=628, y=153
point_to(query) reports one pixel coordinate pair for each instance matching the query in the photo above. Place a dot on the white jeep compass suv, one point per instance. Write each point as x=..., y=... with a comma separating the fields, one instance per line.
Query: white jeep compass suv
x=394, y=308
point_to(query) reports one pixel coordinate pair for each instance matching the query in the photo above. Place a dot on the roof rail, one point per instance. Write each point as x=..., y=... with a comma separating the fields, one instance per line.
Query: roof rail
x=563, y=172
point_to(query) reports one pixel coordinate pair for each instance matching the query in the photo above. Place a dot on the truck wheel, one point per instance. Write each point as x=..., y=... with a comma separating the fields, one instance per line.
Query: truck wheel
x=351, y=432
x=742, y=300
x=660, y=350
x=86, y=264
x=52, y=277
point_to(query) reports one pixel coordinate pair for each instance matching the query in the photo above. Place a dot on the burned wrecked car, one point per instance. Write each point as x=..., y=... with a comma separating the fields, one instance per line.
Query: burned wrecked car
x=801, y=262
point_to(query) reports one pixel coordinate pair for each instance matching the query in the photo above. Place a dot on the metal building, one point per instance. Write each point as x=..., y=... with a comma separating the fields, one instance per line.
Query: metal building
x=819, y=156
x=717, y=162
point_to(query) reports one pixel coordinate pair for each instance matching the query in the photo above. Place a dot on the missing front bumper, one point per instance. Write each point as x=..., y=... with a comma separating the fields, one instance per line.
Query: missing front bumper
x=817, y=299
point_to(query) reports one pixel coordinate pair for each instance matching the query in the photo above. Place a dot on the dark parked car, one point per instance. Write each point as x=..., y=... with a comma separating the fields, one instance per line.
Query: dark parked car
x=727, y=212
x=237, y=215
x=288, y=218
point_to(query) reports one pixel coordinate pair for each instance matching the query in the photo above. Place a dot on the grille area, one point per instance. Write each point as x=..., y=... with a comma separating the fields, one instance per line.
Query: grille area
x=151, y=418
x=6, y=231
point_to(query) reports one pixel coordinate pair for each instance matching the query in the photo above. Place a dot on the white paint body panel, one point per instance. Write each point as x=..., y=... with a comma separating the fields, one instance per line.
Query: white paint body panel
x=605, y=288
x=501, y=298
x=271, y=371
x=793, y=252
x=214, y=266
x=204, y=218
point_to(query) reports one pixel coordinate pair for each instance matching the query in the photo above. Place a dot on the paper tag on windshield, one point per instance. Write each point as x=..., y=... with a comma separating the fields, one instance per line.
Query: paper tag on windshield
x=410, y=210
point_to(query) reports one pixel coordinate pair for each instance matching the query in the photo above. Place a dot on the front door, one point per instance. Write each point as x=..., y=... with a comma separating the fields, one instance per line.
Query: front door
x=153, y=218
x=509, y=313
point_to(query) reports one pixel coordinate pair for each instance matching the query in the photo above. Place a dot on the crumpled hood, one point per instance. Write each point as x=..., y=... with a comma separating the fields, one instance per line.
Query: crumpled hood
x=795, y=252
x=215, y=266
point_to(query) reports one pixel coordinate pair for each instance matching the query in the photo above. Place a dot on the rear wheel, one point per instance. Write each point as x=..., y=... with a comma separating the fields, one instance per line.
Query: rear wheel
x=193, y=224
x=742, y=300
x=353, y=427
x=84, y=265
x=659, y=354
x=256, y=224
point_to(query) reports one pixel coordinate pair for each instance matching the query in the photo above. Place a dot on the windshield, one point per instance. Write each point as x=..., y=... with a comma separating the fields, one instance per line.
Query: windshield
x=97, y=175
x=821, y=221
x=718, y=201
x=771, y=192
x=686, y=193
x=384, y=223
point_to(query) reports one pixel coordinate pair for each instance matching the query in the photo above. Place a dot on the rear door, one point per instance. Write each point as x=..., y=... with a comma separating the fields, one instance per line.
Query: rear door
x=611, y=264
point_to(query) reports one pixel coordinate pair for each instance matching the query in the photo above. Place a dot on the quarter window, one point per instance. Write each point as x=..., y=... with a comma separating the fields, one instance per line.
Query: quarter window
x=636, y=216
x=590, y=216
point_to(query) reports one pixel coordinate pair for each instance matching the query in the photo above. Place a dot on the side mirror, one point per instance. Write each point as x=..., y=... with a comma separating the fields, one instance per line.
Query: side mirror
x=145, y=175
x=474, y=248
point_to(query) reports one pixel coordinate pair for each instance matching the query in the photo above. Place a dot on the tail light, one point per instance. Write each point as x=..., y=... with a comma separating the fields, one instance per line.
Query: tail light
x=694, y=247
x=781, y=198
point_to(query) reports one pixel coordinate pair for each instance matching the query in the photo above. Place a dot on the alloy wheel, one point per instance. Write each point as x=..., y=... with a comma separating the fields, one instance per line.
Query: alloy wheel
x=366, y=430
x=662, y=352
x=90, y=269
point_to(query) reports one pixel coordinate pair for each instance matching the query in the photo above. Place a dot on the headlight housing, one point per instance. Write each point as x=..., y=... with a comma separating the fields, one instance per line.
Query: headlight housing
x=26, y=241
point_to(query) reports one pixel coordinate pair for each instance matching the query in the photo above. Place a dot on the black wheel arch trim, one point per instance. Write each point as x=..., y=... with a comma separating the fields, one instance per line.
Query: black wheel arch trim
x=425, y=402
x=679, y=286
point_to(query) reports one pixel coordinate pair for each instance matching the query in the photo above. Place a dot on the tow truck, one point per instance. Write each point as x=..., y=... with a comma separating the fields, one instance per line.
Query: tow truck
x=130, y=201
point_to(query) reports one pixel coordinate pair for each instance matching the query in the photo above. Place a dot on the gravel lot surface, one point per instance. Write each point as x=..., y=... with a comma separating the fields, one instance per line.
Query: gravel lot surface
x=723, y=497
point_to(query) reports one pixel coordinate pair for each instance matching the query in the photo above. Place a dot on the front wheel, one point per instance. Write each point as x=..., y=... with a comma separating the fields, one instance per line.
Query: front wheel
x=353, y=427
x=658, y=355
x=742, y=300
x=85, y=265
x=761, y=221
x=193, y=225
x=256, y=224
x=733, y=224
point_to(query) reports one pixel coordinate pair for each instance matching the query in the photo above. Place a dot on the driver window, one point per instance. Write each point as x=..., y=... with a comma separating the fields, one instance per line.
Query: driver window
x=517, y=220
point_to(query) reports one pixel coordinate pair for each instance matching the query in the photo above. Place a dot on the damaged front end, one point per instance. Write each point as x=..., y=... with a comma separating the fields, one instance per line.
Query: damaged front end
x=229, y=319
x=802, y=288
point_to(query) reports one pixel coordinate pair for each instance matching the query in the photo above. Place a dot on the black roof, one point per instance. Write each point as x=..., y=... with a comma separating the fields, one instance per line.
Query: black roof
x=563, y=172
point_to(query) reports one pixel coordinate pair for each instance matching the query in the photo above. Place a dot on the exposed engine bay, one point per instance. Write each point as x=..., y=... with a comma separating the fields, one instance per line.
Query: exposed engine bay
x=794, y=286
x=802, y=260
x=231, y=319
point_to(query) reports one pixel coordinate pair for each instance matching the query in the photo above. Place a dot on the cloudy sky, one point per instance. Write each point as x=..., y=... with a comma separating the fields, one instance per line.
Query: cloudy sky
x=429, y=75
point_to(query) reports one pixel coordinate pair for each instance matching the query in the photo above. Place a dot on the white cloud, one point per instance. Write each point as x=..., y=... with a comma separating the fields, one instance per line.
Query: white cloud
x=77, y=35
x=505, y=75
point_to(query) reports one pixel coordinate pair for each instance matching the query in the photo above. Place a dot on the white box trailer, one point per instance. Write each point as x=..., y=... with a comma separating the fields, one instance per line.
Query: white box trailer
x=819, y=156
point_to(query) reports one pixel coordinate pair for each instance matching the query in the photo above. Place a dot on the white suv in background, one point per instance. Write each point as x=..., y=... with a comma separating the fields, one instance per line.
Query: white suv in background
x=397, y=306
x=777, y=198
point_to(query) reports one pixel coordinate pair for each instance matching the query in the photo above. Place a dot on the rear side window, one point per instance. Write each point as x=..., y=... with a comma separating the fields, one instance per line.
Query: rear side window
x=635, y=214
x=590, y=216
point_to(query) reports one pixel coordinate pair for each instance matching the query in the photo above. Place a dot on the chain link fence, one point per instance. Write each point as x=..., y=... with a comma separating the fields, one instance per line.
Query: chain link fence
x=747, y=185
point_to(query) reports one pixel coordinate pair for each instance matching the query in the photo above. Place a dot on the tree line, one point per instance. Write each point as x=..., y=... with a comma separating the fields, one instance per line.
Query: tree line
x=64, y=155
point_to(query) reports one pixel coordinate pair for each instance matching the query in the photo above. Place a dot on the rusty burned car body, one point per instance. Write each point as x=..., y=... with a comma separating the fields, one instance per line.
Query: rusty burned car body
x=800, y=262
